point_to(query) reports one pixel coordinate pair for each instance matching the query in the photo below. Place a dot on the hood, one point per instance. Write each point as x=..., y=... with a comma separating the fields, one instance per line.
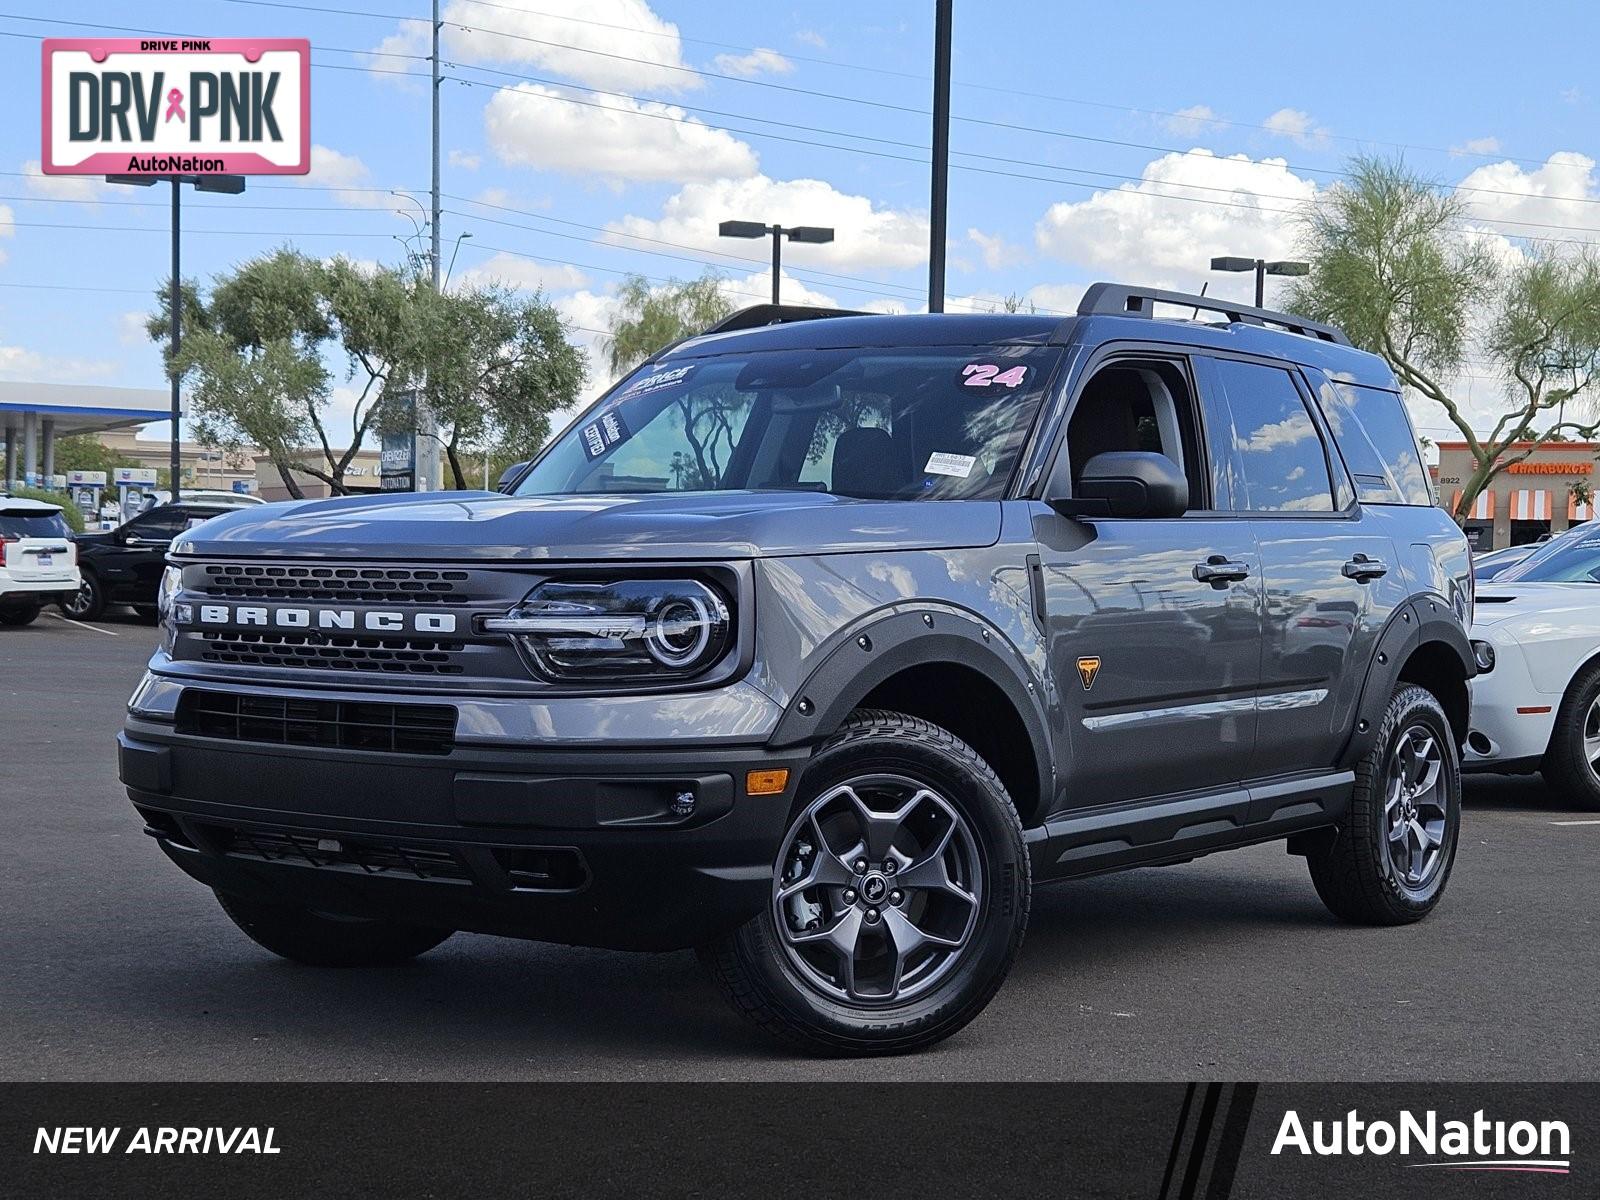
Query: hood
x=1498, y=602
x=457, y=526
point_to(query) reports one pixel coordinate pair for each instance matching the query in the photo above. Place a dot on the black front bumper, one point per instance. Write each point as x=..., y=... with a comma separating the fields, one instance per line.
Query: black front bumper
x=583, y=847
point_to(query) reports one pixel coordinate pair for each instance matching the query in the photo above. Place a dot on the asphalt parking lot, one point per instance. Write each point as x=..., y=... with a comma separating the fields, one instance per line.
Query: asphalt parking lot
x=113, y=965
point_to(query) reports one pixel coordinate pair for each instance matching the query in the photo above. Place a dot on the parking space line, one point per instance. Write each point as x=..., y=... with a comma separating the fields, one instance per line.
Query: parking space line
x=81, y=625
x=1575, y=822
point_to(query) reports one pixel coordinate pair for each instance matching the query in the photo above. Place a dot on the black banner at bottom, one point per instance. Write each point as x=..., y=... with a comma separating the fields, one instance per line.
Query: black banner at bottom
x=864, y=1139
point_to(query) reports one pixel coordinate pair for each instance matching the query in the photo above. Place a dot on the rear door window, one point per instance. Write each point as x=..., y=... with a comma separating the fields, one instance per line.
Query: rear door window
x=1280, y=454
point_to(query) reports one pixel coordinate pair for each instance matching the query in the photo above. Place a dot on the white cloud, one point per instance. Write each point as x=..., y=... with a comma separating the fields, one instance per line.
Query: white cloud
x=1296, y=125
x=1560, y=192
x=760, y=61
x=1159, y=232
x=131, y=328
x=63, y=187
x=867, y=235
x=810, y=37
x=467, y=162
x=19, y=363
x=8, y=227
x=997, y=252
x=1190, y=122
x=1482, y=145
x=531, y=126
x=347, y=175
x=619, y=44
x=525, y=273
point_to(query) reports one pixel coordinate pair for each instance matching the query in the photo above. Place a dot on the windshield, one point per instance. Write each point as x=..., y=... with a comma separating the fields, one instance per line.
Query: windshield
x=1573, y=558
x=905, y=424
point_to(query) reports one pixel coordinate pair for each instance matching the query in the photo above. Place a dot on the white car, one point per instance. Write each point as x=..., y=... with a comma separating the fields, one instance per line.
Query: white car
x=1536, y=700
x=38, y=562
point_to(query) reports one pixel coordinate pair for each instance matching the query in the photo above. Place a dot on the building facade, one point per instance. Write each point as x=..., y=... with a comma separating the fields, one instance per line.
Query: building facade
x=1547, y=493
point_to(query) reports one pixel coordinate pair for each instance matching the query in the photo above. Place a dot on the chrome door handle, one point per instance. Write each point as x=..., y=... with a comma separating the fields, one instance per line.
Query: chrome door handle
x=1219, y=570
x=1361, y=568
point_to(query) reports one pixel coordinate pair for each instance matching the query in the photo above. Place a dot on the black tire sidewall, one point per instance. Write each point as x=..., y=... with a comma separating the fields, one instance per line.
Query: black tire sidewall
x=1566, y=764
x=995, y=939
x=1413, y=706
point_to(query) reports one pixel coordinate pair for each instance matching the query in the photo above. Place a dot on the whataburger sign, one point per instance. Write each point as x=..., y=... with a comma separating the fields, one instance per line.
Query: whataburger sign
x=167, y=106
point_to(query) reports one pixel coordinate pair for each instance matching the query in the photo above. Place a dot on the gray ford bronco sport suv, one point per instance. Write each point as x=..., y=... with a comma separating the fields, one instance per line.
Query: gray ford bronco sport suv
x=821, y=639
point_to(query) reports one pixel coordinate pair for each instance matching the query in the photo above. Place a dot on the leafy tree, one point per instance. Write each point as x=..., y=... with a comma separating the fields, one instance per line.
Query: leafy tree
x=1392, y=265
x=254, y=352
x=647, y=319
x=495, y=365
x=85, y=452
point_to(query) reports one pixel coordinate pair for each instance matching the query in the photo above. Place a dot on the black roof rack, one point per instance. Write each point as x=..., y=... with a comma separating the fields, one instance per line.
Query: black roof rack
x=1120, y=299
x=758, y=315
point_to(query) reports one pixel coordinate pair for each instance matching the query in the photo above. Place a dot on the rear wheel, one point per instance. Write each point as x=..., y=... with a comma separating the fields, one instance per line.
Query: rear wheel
x=324, y=940
x=88, y=602
x=899, y=899
x=19, y=616
x=1390, y=861
x=1572, y=763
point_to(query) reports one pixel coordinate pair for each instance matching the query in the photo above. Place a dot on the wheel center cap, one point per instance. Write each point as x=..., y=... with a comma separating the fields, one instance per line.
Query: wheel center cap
x=874, y=888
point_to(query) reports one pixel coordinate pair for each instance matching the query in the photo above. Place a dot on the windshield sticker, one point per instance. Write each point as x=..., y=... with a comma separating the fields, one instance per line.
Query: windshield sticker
x=604, y=433
x=982, y=375
x=657, y=380
x=959, y=466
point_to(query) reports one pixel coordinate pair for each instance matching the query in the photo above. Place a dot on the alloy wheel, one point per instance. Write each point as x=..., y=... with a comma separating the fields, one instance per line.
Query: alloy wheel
x=81, y=602
x=1591, y=738
x=1416, y=812
x=878, y=890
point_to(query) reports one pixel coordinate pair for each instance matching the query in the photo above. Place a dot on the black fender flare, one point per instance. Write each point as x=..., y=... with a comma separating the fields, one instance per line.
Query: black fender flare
x=1414, y=624
x=881, y=646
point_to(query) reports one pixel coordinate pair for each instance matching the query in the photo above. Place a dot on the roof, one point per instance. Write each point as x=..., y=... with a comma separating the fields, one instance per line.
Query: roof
x=985, y=329
x=14, y=504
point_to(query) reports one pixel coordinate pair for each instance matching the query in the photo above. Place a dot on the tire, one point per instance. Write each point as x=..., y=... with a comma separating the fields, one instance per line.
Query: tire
x=147, y=613
x=1572, y=763
x=1358, y=877
x=88, y=602
x=316, y=940
x=19, y=616
x=956, y=835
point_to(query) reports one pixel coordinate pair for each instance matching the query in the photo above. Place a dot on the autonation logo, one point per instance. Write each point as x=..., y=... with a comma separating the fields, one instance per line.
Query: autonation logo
x=1478, y=1144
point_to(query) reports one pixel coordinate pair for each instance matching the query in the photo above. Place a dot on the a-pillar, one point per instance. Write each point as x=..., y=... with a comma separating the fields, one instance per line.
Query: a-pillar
x=30, y=448
x=49, y=424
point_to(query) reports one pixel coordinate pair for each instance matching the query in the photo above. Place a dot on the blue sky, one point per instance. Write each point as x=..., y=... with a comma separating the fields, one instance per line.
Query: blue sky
x=1092, y=142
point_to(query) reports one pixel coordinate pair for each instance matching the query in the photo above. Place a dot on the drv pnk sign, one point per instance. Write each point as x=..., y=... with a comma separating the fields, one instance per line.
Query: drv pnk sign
x=177, y=106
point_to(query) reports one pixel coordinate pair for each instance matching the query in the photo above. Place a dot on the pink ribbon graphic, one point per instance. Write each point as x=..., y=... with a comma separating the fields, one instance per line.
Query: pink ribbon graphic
x=174, y=106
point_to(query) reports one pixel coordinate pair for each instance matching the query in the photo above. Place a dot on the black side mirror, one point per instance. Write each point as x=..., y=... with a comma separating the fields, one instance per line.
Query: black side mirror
x=509, y=475
x=1129, y=483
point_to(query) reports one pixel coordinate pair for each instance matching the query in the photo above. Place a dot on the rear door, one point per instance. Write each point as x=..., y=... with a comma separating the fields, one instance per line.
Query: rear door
x=1330, y=579
x=131, y=567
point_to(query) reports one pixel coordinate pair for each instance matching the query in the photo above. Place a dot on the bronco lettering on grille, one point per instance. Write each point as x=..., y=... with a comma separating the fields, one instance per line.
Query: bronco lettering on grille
x=375, y=620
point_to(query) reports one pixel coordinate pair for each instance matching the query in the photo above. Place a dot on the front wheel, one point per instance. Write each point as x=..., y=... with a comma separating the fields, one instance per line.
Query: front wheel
x=88, y=602
x=1572, y=763
x=899, y=898
x=324, y=940
x=1390, y=861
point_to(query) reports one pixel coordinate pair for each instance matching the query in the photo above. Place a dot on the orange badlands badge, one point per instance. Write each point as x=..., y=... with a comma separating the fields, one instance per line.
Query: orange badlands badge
x=1088, y=671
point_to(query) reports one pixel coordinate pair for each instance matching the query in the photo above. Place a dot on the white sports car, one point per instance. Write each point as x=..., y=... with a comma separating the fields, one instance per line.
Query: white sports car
x=1536, y=700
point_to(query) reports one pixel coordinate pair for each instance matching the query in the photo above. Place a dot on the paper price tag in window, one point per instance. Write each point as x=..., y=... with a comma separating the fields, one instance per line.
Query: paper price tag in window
x=958, y=466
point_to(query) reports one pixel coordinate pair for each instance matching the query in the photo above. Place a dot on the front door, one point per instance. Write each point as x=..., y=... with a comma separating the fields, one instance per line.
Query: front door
x=1153, y=625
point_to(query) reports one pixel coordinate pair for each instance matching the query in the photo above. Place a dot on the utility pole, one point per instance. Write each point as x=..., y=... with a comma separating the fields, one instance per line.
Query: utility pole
x=426, y=469
x=175, y=302
x=941, y=153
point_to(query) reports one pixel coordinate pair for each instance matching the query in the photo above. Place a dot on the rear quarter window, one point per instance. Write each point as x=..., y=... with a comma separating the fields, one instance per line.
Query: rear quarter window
x=1375, y=437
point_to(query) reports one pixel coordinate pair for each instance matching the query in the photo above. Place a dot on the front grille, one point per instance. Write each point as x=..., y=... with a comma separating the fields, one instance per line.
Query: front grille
x=394, y=656
x=371, y=585
x=338, y=724
x=338, y=853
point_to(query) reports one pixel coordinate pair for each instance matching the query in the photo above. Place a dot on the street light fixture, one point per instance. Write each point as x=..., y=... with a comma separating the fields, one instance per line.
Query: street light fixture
x=226, y=185
x=815, y=234
x=460, y=237
x=1262, y=268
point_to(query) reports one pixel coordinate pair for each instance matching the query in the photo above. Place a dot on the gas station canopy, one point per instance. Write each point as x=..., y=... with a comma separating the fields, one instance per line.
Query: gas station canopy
x=33, y=415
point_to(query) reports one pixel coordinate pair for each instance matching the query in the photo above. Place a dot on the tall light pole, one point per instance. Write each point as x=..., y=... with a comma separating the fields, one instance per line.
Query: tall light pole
x=816, y=234
x=426, y=469
x=228, y=185
x=1262, y=268
x=940, y=174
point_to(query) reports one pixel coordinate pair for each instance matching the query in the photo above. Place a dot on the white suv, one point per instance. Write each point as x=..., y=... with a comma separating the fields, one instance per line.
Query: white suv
x=38, y=562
